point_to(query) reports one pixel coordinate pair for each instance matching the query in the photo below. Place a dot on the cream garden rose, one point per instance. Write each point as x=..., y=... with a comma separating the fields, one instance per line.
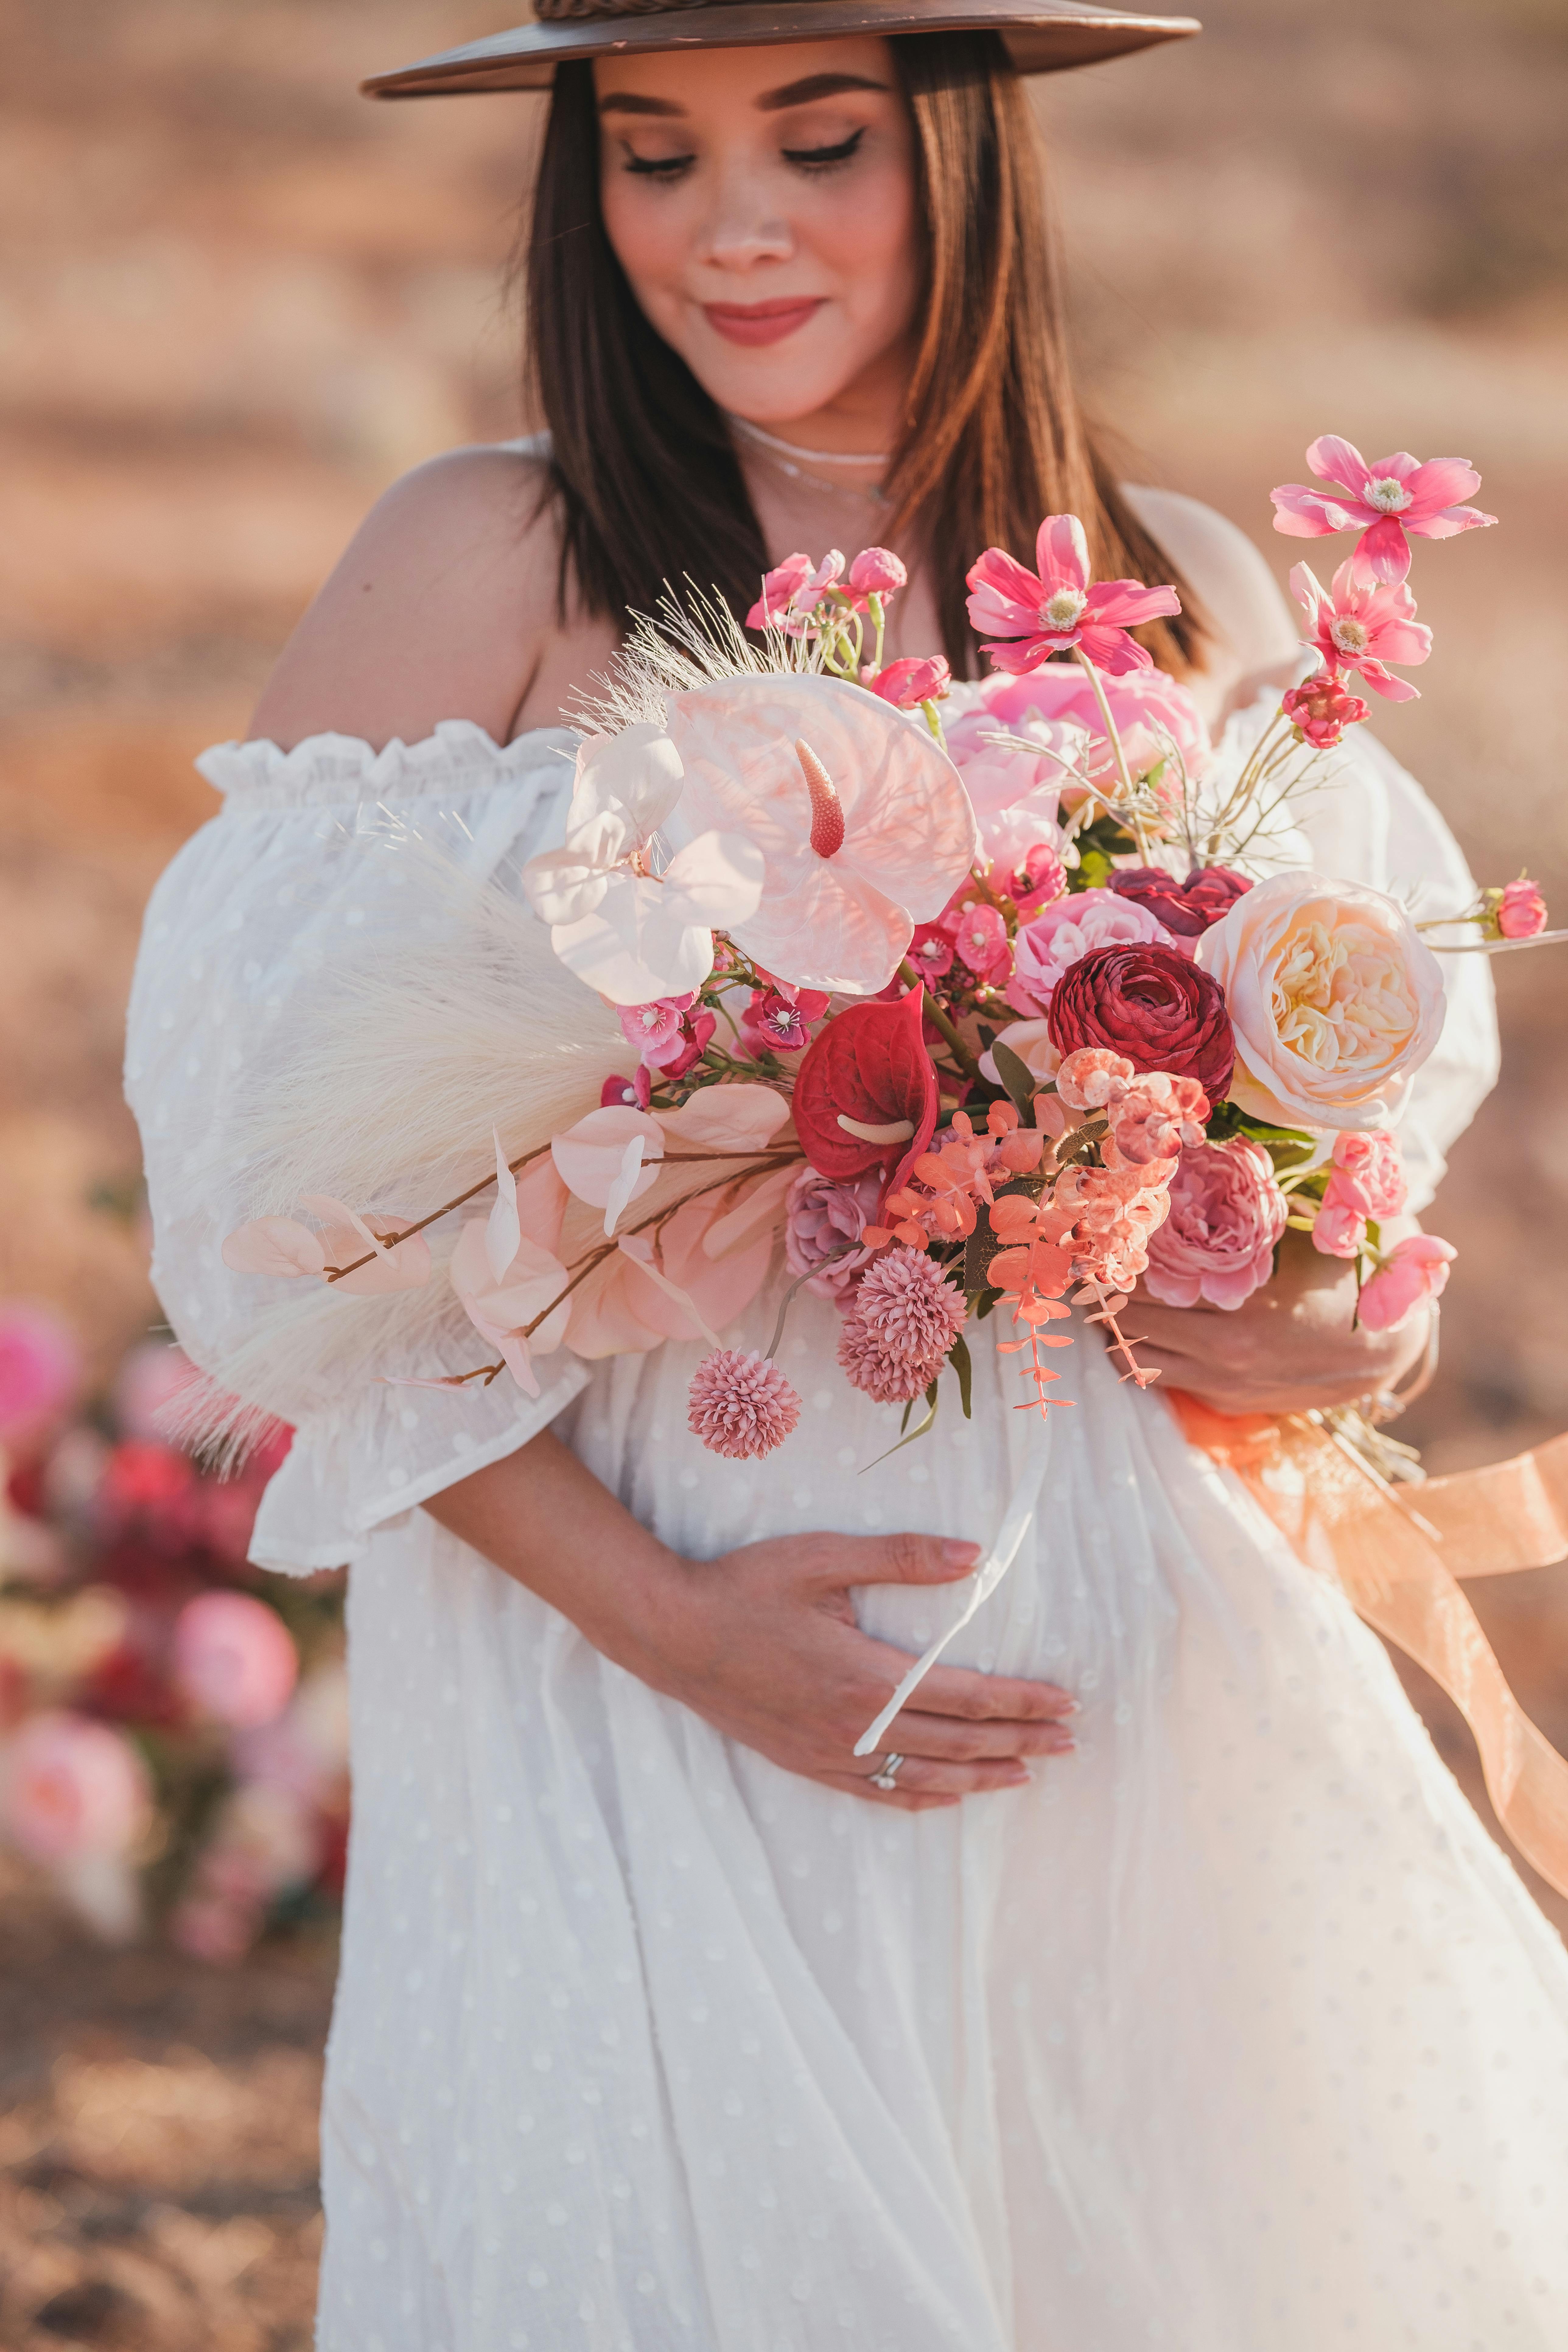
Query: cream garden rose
x=1335, y=1000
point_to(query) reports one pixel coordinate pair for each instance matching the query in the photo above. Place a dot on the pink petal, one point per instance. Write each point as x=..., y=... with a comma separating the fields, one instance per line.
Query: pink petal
x=640, y=1251
x=503, y=1229
x=588, y=1157
x=739, y=1119
x=1392, y=689
x=278, y=1246
x=1402, y=641
x=1333, y=459
x=1003, y=596
x=1302, y=513
x=1114, y=652
x=1440, y=482
x=407, y=1267
x=622, y=1191
x=1449, y=523
x=1061, y=551
x=1127, y=604
x=1384, y=552
x=715, y=881
x=1016, y=660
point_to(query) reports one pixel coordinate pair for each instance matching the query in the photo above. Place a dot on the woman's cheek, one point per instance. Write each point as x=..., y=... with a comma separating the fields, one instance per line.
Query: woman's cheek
x=648, y=238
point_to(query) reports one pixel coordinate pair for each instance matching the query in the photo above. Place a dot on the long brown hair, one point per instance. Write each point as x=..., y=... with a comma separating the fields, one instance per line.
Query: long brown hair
x=648, y=483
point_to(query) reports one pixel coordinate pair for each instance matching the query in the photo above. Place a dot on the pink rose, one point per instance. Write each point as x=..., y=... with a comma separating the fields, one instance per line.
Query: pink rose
x=1226, y=1215
x=1370, y=1171
x=1052, y=941
x=73, y=1788
x=234, y=1657
x=1031, y=1041
x=1521, y=909
x=822, y=1215
x=40, y=1370
x=1336, y=999
x=1322, y=708
x=877, y=571
x=1410, y=1276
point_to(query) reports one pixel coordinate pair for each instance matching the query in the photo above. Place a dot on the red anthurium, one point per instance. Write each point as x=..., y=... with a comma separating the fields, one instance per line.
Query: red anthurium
x=866, y=1094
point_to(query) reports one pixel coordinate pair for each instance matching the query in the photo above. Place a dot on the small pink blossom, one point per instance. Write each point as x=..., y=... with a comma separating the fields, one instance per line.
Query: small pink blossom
x=773, y=1023
x=1364, y=628
x=980, y=936
x=1339, y=1228
x=930, y=952
x=1520, y=909
x=234, y=1658
x=1157, y=1116
x=1055, y=938
x=1055, y=609
x=1226, y=1214
x=40, y=1370
x=622, y=1094
x=655, y=1029
x=1369, y=1167
x=909, y=682
x=741, y=1405
x=73, y=1788
x=1322, y=706
x=877, y=572
x=780, y=588
x=1385, y=501
x=1410, y=1276
x=696, y=1032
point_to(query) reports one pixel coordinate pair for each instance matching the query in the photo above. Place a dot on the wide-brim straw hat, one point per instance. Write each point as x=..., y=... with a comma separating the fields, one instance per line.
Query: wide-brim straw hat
x=1042, y=35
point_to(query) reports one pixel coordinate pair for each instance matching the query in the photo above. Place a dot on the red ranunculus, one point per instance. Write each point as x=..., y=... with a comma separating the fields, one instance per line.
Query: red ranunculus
x=1151, y=1003
x=1186, y=908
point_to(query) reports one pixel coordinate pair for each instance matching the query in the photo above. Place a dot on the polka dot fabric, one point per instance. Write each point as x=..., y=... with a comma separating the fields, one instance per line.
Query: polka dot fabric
x=1232, y=2033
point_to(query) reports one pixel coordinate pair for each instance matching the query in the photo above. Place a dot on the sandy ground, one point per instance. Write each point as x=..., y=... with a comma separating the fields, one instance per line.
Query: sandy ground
x=235, y=303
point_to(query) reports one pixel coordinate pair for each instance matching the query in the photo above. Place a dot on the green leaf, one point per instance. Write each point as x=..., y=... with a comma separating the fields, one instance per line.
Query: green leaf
x=918, y=1431
x=958, y=1356
x=1015, y=1076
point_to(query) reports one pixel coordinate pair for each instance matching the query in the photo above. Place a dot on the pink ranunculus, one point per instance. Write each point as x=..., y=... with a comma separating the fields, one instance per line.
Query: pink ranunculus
x=863, y=826
x=70, y=1788
x=1339, y=1228
x=1322, y=706
x=40, y=1370
x=1226, y=1214
x=1384, y=500
x=1364, y=628
x=234, y=1658
x=1055, y=609
x=1145, y=704
x=1413, y=1274
x=1336, y=999
x=1520, y=909
x=907, y=683
x=1186, y=909
x=1368, y=1168
x=877, y=572
x=780, y=588
x=823, y=1215
x=1053, y=940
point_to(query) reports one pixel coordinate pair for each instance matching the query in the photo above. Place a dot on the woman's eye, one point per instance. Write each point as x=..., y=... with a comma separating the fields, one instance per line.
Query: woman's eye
x=659, y=167
x=823, y=158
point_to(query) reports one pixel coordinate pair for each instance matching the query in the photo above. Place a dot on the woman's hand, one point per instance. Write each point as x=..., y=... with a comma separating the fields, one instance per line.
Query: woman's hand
x=763, y=1642
x=1291, y=1346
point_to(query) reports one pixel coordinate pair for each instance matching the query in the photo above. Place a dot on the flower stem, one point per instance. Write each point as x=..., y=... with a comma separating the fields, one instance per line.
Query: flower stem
x=1134, y=823
x=955, y=1045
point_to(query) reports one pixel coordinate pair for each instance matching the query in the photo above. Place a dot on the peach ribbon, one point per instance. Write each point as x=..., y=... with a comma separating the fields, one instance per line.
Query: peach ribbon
x=1397, y=1557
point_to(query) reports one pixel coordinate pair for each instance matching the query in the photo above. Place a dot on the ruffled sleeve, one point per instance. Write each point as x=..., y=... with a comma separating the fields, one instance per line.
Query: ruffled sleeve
x=242, y=937
x=1371, y=822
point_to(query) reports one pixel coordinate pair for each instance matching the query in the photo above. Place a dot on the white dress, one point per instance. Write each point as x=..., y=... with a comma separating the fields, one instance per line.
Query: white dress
x=1232, y=2033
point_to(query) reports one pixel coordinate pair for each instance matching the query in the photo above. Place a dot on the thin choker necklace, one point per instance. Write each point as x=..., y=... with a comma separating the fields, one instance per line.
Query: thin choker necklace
x=794, y=461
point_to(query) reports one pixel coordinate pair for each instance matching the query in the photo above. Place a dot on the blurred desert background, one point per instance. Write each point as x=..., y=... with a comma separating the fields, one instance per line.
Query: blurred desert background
x=236, y=300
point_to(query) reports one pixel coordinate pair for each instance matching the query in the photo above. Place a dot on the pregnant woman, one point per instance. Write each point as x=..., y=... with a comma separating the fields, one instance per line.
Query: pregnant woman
x=1166, y=1992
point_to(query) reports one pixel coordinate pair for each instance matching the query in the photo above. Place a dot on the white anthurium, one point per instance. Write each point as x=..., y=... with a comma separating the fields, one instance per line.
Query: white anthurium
x=650, y=936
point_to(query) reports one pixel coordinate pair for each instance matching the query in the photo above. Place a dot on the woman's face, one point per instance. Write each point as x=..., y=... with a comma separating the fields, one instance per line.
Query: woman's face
x=762, y=202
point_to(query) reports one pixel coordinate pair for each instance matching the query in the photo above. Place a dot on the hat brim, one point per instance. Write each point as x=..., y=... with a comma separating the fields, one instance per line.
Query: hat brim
x=1042, y=36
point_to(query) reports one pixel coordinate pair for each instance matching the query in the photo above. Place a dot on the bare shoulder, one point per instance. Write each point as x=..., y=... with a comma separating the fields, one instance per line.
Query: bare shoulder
x=443, y=607
x=1252, y=623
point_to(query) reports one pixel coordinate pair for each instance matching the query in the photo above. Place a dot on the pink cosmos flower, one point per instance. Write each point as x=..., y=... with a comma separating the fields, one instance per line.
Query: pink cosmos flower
x=1322, y=706
x=234, y=1658
x=40, y=1370
x=1413, y=1274
x=1358, y=628
x=1387, y=499
x=1055, y=938
x=823, y=1215
x=1226, y=1214
x=73, y=1788
x=1055, y=609
x=1520, y=909
x=861, y=822
x=909, y=682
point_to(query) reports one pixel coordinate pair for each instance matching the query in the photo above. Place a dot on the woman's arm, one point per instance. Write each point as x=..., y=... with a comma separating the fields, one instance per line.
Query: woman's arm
x=761, y=1642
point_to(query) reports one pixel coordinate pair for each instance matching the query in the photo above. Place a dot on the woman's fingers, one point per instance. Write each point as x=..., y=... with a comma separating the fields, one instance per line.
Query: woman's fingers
x=959, y=1690
x=921, y=1778
x=898, y=1560
x=954, y=1739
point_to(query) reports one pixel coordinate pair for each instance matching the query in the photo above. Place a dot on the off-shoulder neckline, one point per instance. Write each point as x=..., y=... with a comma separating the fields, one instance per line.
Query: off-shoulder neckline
x=458, y=753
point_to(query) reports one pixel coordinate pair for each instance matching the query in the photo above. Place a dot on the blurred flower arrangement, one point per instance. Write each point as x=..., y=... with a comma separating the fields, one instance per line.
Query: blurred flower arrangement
x=173, y=1722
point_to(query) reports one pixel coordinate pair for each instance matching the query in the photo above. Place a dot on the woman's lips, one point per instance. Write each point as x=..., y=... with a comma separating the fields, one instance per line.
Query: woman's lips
x=760, y=322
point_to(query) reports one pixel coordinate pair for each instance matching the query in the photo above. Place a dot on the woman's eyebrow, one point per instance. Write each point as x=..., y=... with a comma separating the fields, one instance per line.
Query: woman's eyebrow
x=822, y=85
x=631, y=101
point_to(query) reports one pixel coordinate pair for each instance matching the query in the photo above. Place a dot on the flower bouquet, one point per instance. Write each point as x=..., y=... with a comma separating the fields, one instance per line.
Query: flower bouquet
x=983, y=1000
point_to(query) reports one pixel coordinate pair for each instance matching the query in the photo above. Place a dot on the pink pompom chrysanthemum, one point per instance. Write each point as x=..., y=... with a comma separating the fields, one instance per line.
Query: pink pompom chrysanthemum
x=869, y=1365
x=741, y=1405
x=905, y=1301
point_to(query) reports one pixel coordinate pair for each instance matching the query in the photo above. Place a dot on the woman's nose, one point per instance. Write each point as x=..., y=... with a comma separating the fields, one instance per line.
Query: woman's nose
x=742, y=226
